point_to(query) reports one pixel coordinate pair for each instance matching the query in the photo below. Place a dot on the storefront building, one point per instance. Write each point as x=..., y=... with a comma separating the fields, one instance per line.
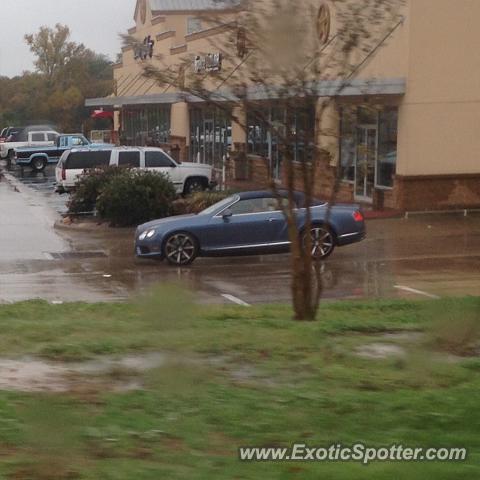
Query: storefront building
x=405, y=131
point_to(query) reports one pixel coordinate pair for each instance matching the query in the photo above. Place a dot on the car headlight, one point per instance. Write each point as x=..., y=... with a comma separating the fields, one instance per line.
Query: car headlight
x=147, y=234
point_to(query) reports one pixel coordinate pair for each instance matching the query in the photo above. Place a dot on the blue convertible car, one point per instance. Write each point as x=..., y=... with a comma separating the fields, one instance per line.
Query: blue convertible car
x=246, y=224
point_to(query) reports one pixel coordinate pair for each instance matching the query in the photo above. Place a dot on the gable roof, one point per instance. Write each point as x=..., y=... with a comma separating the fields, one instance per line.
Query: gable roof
x=192, y=5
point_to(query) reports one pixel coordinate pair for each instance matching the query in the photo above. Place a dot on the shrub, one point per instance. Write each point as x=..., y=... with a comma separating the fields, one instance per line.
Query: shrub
x=197, y=202
x=84, y=198
x=132, y=197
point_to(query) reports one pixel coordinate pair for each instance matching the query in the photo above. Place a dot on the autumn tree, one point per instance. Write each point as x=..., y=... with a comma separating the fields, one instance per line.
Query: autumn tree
x=66, y=74
x=53, y=50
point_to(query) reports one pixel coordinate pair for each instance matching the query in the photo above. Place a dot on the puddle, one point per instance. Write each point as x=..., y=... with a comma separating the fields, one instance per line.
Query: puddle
x=412, y=337
x=380, y=351
x=36, y=375
x=107, y=373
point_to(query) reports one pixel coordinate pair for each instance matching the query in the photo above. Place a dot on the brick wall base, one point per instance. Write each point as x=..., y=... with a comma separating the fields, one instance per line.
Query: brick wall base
x=437, y=192
x=419, y=193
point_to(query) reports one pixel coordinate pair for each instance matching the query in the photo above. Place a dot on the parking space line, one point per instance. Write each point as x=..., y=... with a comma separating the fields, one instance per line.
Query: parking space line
x=418, y=292
x=236, y=300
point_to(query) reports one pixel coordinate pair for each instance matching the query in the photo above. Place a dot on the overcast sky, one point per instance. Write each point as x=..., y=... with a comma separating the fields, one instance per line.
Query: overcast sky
x=96, y=23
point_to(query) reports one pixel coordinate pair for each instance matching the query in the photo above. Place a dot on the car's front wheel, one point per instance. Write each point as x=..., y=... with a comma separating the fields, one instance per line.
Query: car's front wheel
x=322, y=241
x=180, y=249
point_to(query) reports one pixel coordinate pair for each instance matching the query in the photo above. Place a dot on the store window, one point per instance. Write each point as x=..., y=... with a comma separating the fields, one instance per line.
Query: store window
x=210, y=135
x=380, y=125
x=147, y=126
x=267, y=132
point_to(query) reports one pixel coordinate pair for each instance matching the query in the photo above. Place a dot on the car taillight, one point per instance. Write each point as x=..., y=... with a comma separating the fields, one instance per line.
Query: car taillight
x=358, y=216
x=64, y=173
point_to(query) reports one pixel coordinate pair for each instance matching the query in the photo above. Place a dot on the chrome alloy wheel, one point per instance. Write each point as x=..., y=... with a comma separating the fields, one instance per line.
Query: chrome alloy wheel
x=323, y=242
x=180, y=249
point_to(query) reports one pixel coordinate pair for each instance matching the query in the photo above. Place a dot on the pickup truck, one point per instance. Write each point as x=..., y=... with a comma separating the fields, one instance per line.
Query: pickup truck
x=39, y=157
x=38, y=138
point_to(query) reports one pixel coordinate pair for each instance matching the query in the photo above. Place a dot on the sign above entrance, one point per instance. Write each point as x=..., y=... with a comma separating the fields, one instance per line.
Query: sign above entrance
x=210, y=63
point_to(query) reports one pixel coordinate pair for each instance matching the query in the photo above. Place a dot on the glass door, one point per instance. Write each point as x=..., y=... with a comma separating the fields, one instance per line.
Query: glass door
x=365, y=163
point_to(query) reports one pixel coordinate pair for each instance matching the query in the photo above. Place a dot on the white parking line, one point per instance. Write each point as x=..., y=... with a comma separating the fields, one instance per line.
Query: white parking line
x=236, y=300
x=418, y=292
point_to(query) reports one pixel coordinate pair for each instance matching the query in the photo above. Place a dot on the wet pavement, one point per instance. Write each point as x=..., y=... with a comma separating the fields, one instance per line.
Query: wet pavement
x=422, y=257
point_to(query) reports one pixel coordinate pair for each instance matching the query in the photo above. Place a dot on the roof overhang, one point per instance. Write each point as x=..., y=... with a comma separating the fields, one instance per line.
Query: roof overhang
x=325, y=88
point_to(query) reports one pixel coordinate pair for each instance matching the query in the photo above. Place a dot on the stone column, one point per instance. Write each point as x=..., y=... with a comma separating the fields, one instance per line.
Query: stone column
x=180, y=128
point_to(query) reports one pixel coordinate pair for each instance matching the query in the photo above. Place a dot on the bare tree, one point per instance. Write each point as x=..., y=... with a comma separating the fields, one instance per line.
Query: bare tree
x=298, y=56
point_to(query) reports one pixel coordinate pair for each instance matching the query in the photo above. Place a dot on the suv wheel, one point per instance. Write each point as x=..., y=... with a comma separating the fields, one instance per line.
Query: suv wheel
x=194, y=185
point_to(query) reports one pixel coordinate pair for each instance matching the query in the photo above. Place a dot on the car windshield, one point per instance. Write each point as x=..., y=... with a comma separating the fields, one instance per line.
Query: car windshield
x=218, y=206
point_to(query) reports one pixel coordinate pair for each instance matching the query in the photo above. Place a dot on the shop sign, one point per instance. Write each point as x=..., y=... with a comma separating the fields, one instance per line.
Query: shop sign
x=209, y=63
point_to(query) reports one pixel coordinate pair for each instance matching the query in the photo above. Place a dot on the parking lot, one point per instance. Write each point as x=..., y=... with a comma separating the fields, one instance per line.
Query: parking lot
x=425, y=256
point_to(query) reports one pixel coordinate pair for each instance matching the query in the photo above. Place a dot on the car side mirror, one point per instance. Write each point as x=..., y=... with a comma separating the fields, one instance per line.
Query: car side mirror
x=227, y=214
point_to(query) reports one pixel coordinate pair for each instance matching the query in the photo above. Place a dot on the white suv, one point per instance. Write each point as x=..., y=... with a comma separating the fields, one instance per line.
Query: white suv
x=187, y=177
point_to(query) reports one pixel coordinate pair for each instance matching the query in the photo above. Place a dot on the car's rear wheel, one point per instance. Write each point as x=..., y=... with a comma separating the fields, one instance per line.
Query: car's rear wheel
x=194, y=185
x=38, y=164
x=323, y=241
x=180, y=249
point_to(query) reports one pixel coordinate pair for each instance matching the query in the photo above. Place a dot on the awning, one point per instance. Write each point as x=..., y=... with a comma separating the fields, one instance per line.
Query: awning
x=101, y=114
x=325, y=88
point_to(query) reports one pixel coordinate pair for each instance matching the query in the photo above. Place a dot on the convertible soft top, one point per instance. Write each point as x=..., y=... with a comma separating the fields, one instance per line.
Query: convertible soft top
x=299, y=196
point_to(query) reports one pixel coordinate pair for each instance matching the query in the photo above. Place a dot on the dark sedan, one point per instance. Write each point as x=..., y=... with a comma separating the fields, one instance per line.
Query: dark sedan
x=246, y=224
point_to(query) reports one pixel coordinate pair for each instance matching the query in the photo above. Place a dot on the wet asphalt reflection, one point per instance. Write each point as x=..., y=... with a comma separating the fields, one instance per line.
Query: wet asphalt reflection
x=423, y=257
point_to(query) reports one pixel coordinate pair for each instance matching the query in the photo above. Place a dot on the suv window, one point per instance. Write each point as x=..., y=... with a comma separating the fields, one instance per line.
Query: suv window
x=157, y=159
x=83, y=160
x=52, y=137
x=38, y=137
x=129, y=159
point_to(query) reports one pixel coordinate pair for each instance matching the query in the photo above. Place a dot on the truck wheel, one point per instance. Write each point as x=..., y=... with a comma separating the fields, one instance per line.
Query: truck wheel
x=194, y=185
x=10, y=159
x=38, y=164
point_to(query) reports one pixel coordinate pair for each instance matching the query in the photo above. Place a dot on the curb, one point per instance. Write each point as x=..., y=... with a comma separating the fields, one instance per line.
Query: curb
x=91, y=227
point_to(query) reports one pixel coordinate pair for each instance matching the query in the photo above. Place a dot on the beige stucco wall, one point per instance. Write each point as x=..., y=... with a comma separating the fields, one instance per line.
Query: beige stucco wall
x=440, y=114
x=434, y=50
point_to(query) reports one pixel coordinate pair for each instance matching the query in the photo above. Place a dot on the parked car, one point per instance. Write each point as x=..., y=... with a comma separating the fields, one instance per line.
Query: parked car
x=245, y=224
x=187, y=177
x=25, y=138
x=39, y=157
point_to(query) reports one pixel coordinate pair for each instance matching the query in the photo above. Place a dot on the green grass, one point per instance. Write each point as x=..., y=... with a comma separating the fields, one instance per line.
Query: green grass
x=275, y=382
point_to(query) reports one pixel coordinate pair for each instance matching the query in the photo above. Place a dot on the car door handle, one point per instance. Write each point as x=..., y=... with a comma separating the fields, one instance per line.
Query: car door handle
x=272, y=220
